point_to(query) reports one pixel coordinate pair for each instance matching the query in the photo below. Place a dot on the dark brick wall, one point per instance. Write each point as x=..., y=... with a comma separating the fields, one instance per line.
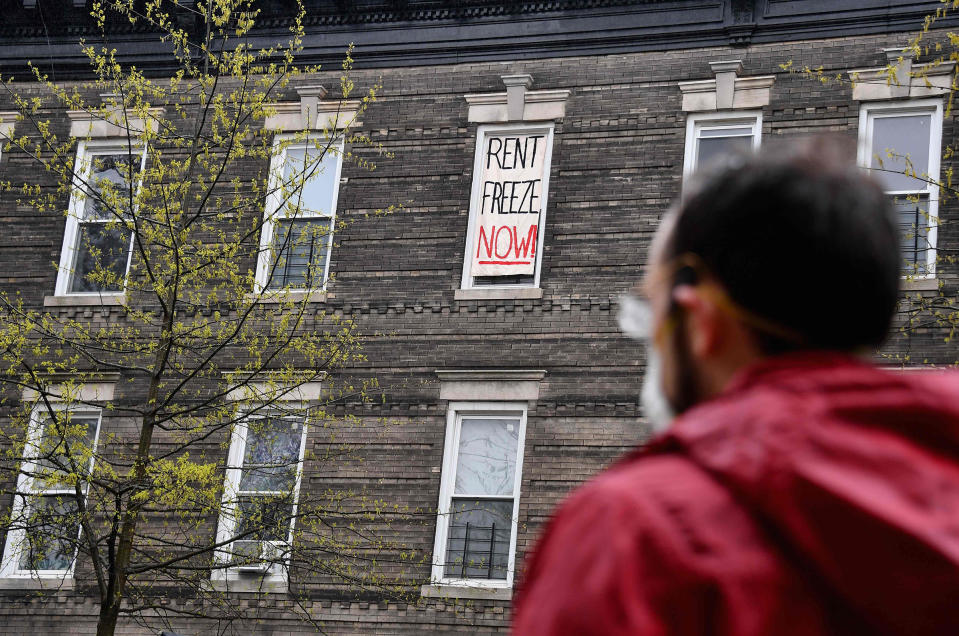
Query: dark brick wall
x=617, y=163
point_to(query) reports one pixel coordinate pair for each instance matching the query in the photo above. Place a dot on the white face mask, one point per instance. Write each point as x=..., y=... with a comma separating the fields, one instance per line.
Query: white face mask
x=656, y=407
x=635, y=320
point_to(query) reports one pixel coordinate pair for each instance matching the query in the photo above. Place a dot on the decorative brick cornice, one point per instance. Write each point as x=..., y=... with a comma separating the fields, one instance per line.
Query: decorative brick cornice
x=390, y=33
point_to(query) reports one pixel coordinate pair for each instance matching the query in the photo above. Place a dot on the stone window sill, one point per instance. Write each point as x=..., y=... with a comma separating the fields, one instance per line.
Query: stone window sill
x=438, y=590
x=250, y=584
x=499, y=293
x=93, y=300
x=316, y=296
x=33, y=583
x=920, y=284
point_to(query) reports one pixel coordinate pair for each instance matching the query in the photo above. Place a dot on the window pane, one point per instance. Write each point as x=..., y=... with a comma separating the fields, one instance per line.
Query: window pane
x=913, y=219
x=65, y=448
x=51, y=534
x=264, y=517
x=250, y=552
x=272, y=453
x=309, y=183
x=101, y=251
x=894, y=139
x=746, y=131
x=517, y=279
x=712, y=148
x=111, y=177
x=478, y=542
x=486, y=458
x=299, y=249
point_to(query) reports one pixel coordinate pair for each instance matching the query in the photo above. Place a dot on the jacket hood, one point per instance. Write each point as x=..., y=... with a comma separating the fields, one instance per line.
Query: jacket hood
x=853, y=471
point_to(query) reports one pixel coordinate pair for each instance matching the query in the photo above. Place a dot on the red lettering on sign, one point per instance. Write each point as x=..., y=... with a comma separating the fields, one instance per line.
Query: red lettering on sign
x=486, y=241
x=524, y=247
x=503, y=262
x=509, y=237
x=488, y=245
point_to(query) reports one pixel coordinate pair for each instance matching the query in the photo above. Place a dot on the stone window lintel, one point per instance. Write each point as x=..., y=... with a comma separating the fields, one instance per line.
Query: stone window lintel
x=312, y=112
x=490, y=384
x=116, y=123
x=873, y=84
x=518, y=103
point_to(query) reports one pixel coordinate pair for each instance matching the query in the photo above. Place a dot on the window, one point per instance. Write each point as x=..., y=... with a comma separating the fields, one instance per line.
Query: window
x=96, y=244
x=260, y=494
x=44, y=528
x=301, y=208
x=712, y=135
x=8, y=121
x=479, y=494
x=900, y=144
x=508, y=206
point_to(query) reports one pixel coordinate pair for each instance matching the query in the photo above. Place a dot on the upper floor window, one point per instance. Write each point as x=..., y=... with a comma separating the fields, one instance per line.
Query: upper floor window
x=97, y=242
x=8, y=120
x=899, y=142
x=508, y=206
x=260, y=495
x=479, y=494
x=297, y=233
x=44, y=528
x=710, y=136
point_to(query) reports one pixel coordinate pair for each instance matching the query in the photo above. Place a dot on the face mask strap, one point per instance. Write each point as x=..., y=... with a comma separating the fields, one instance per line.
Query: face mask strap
x=712, y=289
x=636, y=316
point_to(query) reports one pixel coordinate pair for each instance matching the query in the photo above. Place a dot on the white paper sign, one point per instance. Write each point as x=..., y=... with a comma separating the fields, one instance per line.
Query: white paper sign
x=510, y=202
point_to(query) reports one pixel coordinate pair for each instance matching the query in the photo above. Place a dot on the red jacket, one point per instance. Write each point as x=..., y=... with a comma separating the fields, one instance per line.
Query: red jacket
x=816, y=495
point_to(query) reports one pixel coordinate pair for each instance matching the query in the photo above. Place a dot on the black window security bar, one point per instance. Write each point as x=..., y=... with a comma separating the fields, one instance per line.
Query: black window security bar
x=475, y=551
x=914, y=233
x=300, y=250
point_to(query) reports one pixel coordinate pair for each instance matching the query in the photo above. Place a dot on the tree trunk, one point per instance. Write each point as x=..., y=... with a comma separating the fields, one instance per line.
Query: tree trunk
x=110, y=605
x=109, y=612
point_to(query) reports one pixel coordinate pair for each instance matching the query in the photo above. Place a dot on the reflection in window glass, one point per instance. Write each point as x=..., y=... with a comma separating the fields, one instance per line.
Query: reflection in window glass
x=102, y=246
x=65, y=448
x=712, y=148
x=110, y=186
x=299, y=252
x=263, y=511
x=100, y=258
x=310, y=184
x=271, y=457
x=44, y=526
x=51, y=532
x=486, y=458
x=900, y=145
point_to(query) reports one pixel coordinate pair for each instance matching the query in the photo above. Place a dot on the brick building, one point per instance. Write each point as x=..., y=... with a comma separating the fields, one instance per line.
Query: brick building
x=582, y=118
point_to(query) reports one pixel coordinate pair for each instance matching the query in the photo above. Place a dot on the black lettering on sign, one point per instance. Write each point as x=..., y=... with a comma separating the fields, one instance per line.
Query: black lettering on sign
x=511, y=153
x=511, y=197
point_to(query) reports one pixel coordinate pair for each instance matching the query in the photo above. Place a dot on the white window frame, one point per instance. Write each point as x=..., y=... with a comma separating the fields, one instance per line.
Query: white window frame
x=454, y=418
x=81, y=167
x=697, y=122
x=274, y=203
x=226, y=524
x=10, y=565
x=868, y=112
x=476, y=196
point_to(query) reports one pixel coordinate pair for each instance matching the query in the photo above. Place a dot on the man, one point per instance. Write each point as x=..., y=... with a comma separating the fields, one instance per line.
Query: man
x=800, y=489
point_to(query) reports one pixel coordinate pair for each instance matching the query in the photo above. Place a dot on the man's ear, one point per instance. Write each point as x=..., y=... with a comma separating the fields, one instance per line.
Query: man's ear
x=704, y=328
